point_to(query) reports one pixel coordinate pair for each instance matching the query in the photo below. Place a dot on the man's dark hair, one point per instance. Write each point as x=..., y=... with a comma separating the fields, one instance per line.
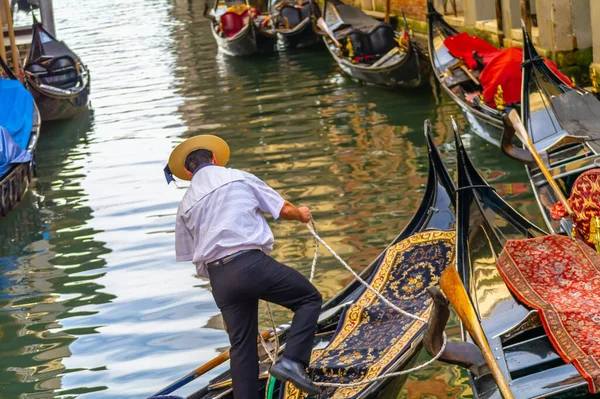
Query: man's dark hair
x=197, y=158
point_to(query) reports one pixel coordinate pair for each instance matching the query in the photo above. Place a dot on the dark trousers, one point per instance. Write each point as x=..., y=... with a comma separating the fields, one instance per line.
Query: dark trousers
x=237, y=286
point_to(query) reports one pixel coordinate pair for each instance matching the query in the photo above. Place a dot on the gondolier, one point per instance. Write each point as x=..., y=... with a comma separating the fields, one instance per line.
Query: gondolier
x=220, y=227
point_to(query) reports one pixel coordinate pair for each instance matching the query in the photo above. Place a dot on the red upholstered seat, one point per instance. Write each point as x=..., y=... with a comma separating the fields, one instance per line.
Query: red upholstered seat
x=585, y=202
x=231, y=23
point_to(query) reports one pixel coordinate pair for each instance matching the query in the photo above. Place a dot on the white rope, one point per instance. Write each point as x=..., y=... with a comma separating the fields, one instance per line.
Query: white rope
x=363, y=282
x=318, y=239
x=316, y=255
x=264, y=344
x=388, y=375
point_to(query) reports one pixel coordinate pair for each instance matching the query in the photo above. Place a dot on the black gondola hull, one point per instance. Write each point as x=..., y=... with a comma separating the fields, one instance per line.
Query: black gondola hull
x=54, y=107
x=14, y=185
x=520, y=345
x=410, y=71
x=302, y=36
x=55, y=76
x=249, y=41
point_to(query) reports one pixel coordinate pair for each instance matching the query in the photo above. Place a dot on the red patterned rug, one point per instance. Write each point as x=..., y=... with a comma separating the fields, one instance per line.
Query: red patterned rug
x=560, y=278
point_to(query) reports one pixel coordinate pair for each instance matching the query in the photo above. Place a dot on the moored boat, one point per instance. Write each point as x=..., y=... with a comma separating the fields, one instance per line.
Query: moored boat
x=526, y=347
x=19, y=132
x=371, y=51
x=460, y=79
x=295, y=24
x=484, y=81
x=563, y=123
x=240, y=30
x=56, y=76
x=402, y=273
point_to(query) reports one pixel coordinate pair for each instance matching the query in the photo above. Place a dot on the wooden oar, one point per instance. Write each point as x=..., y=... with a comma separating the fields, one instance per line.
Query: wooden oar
x=323, y=25
x=2, y=47
x=11, y=35
x=205, y=368
x=457, y=295
x=522, y=134
x=469, y=73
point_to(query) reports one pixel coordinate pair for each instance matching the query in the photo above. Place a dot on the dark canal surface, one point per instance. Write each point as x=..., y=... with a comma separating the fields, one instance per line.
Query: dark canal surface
x=92, y=303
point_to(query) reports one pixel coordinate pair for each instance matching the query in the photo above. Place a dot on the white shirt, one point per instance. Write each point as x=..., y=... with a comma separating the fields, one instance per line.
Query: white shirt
x=221, y=213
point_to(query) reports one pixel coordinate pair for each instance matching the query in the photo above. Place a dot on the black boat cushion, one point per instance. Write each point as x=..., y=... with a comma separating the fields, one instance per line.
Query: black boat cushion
x=61, y=72
x=361, y=44
x=377, y=42
x=305, y=11
x=290, y=16
x=382, y=39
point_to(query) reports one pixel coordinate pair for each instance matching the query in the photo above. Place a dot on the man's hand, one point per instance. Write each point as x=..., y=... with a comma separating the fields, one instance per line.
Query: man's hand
x=305, y=214
x=290, y=212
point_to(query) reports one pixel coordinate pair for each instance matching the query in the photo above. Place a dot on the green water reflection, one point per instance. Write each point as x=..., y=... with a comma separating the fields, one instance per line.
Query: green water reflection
x=92, y=303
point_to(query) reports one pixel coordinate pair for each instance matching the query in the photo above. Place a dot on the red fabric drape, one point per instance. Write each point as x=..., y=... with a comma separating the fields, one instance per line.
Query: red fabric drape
x=463, y=45
x=505, y=70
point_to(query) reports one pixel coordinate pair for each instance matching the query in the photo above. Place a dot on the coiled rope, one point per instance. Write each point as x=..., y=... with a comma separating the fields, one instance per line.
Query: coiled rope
x=318, y=240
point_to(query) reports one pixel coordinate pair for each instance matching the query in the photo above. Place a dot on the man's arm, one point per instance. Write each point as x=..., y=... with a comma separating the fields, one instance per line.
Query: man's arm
x=290, y=212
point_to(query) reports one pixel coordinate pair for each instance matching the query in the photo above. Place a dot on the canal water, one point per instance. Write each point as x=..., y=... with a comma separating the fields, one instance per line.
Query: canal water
x=92, y=302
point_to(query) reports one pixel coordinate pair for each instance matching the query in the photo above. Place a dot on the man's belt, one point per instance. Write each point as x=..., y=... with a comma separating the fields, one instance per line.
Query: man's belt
x=226, y=259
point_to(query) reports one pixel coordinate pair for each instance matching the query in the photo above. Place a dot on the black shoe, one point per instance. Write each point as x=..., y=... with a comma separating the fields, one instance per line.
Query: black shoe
x=288, y=370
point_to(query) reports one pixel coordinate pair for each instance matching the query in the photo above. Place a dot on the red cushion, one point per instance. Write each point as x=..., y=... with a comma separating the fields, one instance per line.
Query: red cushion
x=463, y=45
x=585, y=202
x=505, y=70
x=232, y=23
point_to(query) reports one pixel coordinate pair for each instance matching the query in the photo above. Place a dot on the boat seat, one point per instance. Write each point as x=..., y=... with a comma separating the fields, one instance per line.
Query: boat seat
x=305, y=11
x=290, y=16
x=585, y=202
x=61, y=72
x=379, y=41
x=231, y=23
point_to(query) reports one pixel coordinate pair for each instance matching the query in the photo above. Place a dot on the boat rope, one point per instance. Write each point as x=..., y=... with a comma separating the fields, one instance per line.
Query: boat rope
x=313, y=230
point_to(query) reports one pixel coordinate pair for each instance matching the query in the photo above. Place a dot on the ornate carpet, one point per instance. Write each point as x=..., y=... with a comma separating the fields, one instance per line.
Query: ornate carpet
x=560, y=278
x=371, y=337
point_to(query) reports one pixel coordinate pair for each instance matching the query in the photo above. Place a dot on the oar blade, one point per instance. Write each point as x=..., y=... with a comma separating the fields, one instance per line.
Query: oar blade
x=454, y=290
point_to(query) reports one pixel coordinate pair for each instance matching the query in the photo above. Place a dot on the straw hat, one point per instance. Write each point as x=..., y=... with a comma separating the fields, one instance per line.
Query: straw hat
x=217, y=145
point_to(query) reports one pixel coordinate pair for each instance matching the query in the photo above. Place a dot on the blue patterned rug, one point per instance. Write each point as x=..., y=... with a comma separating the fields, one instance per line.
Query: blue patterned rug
x=371, y=337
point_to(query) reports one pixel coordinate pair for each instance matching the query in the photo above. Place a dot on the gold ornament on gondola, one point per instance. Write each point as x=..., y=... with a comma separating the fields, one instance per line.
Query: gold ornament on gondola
x=594, y=79
x=595, y=232
x=349, y=47
x=573, y=81
x=499, y=99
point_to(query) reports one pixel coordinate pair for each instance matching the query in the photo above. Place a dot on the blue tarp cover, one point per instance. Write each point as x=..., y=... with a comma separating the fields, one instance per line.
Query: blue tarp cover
x=16, y=120
x=10, y=152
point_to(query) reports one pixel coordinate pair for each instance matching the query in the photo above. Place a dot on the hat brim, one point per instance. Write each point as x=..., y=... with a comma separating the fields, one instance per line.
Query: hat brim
x=216, y=145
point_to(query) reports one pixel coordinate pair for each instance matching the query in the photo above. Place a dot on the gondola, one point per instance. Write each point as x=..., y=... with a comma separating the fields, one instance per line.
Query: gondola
x=521, y=348
x=459, y=80
x=432, y=230
x=19, y=132
x=56, y=76
x=564, y=125
x=371, y=51
x=295, y=24
x=473, y=79
x=239, y=29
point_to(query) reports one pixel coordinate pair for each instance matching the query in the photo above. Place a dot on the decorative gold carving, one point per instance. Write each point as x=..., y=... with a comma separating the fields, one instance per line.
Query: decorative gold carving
x=594, y=79
x=499, y=99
